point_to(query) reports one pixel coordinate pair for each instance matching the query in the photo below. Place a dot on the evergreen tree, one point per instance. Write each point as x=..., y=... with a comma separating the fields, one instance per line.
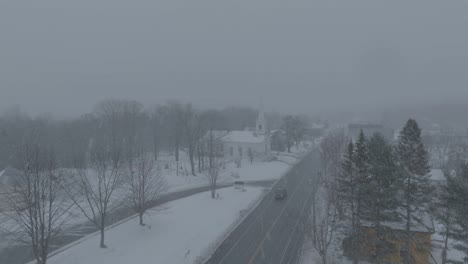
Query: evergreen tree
x=347, y=182
x=361, y=165
x=348, y=190
x=414, y=170
x=382, y=195
x=361, y=189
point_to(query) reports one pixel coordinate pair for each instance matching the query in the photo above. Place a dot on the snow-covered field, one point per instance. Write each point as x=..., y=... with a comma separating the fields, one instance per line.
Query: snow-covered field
x=186, y=232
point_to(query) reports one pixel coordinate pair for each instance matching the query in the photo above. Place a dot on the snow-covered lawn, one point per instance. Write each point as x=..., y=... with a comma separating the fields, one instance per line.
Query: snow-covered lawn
x=248, y=172
x=186, y=232
x=256, y=171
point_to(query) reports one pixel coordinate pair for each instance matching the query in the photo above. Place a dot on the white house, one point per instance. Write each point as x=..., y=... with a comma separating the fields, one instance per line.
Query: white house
x=241, y=144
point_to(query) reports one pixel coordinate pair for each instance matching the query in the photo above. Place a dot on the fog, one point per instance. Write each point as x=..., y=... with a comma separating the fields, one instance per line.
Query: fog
x=300, y=55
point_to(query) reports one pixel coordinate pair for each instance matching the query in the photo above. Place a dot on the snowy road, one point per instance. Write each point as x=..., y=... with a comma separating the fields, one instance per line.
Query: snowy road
x=273, y=232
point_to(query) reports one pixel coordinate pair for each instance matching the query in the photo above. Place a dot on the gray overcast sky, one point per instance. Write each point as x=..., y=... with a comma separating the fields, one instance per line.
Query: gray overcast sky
x=63, y=56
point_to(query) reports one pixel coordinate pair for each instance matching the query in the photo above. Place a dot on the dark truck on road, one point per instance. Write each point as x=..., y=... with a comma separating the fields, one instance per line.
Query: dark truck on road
x=280, y=194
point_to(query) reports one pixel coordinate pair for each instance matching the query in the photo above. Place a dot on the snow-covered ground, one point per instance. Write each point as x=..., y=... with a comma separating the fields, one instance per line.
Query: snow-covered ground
x=256, y=171
x=186, y=232
x=438, y=243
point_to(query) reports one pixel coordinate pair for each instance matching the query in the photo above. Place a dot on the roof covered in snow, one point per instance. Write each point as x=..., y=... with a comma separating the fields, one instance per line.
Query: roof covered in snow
x=244, y=137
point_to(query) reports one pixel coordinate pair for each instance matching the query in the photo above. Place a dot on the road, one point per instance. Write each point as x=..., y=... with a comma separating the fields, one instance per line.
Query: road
x=20, y=254
x=274, y=231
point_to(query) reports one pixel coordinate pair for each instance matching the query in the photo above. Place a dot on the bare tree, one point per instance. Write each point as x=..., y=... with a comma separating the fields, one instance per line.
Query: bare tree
x=38, y=206
x=215, y=163
x=93, y=189
x=146, y=183
x=439, y=147
x=201, y=143
x=251, y=155
x=156, y=129
x=294, y=127
x=288, y=126
x=331, y=152
x=191, y=124
x=323, y=222
x=175, y=122
x=132, y=128
x=213, y=175
x=332, y=148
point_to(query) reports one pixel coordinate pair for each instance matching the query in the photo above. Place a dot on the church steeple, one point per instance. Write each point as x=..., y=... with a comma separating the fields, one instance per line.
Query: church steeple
x=261, y=126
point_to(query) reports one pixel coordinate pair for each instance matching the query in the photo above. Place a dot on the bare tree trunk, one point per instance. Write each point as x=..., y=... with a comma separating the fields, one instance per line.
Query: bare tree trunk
x=140, y=215
x=314, y=220
x=203, y=158
x=155, y=148
x=177, y=158
x=191, y=157
x=199, y=158
x=102, y=244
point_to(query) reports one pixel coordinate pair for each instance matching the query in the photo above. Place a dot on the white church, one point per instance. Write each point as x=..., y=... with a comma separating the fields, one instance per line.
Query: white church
x=239, y=144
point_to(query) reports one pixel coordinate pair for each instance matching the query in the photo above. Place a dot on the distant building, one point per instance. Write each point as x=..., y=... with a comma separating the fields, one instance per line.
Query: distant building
x=369, y=130
x=241, y=144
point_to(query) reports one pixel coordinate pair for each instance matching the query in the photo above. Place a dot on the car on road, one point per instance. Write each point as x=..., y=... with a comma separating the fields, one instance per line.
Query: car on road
x=280, y=194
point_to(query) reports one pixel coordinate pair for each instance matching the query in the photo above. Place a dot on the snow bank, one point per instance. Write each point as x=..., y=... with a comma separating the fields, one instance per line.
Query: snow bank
x=180, y=234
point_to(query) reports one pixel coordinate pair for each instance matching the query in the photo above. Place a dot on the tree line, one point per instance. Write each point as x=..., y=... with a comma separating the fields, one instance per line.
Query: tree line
x=85, y=164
